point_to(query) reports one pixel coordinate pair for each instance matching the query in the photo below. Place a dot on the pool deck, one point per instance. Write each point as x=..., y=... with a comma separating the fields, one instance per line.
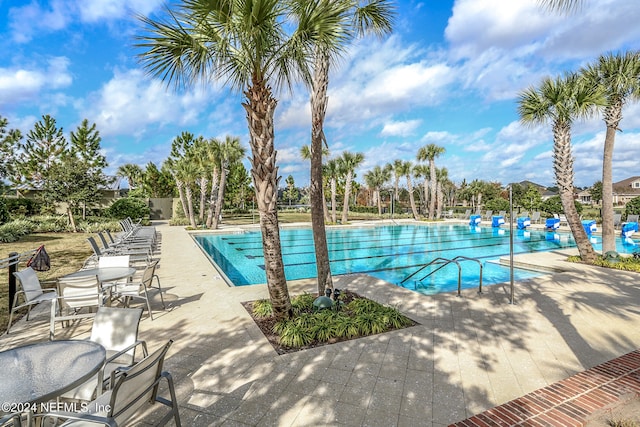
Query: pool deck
x=467, y=356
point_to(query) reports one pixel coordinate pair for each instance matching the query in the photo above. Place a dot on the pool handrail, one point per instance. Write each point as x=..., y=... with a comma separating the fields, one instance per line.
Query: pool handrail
x=445, y=262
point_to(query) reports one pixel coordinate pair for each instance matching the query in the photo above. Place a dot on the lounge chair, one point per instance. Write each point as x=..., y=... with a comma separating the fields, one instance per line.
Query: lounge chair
x=488, y=215
x=535, y=217
x=32, y=292
x=132, y=389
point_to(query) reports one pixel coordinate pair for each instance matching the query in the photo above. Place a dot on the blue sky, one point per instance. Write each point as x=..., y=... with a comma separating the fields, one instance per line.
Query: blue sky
x=449, y=75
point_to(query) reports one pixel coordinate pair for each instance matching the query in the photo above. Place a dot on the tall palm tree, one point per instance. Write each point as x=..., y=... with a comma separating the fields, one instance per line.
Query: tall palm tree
x=561, y=101
x=375, y=180
x=200, y=157
x=254, y=47
x=211, y=152
x=423, y=171
x=332, y=171
x=430, y=152
x=619, y=77
x=357, y=18
x=230, y=151
x=348, y=163
x=406, y=169
x=396, y=169
x=305, y=153
x=186, y=173
x=442, y=184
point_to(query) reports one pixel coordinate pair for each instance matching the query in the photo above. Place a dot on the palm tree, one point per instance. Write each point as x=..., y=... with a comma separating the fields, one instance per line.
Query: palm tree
x=348, y=164
x=371, y=17
x=561, y=101
x=396, y=169
x=211, y=153
x=443, y=182
x=406, y=169
x=332, y=171
x=186, y=173
x=423, y=171
x=253, y=47
x=230, y=151
x=375, y=180
x=200, y=157
x=430, y=152
x=619, y=77
x=132, y=172
x=305, y=153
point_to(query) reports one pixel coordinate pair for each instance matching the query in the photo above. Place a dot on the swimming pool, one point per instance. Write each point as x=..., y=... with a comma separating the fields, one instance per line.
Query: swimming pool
x=390, y=253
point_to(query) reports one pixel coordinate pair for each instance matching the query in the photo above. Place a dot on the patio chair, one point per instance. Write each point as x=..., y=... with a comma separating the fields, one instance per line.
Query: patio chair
x=135, y=255
x=32, y=292
x=535, y=217
x=11, y=420
x=617, y=220
x=488, y=215
x=632, y=218
x=75, y=295
x=132, y=389
x=116, y=329
x=467, y=214
x=124, y=247
x=139, y=290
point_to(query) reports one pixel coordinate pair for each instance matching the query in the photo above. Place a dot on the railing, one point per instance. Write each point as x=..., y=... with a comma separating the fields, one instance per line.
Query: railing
x=444, y=262
x=12, y=264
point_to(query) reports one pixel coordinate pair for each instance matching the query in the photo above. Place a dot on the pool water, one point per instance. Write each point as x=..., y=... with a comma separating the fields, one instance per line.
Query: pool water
x=391, y=253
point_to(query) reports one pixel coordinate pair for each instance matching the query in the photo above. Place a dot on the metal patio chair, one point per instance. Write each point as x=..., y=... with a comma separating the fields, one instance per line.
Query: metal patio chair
x=32, y=292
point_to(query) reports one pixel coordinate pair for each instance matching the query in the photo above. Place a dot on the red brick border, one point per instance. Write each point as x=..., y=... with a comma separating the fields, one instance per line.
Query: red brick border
x=568, y=402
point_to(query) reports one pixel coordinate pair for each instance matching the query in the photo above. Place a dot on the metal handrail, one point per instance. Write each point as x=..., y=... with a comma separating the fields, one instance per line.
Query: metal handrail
x=479, y=264
x=15, y=258
x=445, y=262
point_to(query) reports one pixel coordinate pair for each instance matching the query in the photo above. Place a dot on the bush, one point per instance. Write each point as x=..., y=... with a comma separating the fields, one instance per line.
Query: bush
x=632, y=207
x=4, y=212
x=12, y=231
x=498, y=204
x=22, y=207
x=128, y=207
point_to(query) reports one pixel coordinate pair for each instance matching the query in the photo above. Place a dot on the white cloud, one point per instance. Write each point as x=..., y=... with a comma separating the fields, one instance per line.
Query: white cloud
x=20, y=84
x=404, y=128
x=27, y=21
x=96, y=10
x=130, y=102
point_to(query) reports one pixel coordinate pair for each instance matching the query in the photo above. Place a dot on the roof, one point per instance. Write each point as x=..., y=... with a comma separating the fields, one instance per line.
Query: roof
x=629, y=186
x=115, y=185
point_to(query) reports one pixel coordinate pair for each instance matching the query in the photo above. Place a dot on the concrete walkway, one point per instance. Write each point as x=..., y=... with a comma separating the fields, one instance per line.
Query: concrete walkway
x=467, y=355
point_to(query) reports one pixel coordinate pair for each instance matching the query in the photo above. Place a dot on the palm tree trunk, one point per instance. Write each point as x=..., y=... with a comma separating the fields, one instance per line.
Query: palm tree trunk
x=325, y=209
x=440, y=200
x=220, y=201
x=425, y=190
x=347, y=190
x=183, y=202
x=334, y=190
x=316, y=196
x=189, y=197
x=563, y=167
x=377, y=193
x=203, y=198
x=432, y=188
x=212, y=197
x=412, y=199
x=260, y=107
x=612, y=117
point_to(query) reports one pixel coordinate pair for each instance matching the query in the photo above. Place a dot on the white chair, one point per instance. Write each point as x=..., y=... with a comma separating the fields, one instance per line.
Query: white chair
x=107, y=261
x=139, y=289
x=116, y=329
x=32, y=292
x=535, y=217
x=75, y=295
x=11, y=420
x=132, y=389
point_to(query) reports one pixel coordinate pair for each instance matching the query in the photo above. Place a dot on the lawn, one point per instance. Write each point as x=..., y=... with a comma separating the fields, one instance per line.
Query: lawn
x=67, y=251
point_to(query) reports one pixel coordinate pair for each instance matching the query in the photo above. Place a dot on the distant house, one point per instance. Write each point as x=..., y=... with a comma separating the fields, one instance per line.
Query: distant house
x=584, y=197
x=625, y=190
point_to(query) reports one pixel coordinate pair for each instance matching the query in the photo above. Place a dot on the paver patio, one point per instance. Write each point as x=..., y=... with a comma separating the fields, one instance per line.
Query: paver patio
x=467, y=355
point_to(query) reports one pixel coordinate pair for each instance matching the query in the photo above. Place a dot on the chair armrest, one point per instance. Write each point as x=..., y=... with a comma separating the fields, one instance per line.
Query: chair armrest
x=126, y=349
x=75, y=416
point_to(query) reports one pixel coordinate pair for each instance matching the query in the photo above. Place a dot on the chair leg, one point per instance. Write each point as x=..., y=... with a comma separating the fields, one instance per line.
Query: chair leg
x=159, y=290
x=10, y=318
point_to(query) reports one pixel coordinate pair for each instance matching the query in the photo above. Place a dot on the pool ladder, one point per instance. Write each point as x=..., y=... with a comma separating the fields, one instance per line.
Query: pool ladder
x=444, y=262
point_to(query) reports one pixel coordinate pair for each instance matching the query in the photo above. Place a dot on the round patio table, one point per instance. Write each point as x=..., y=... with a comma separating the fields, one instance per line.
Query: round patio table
x=106, y=274
x=40, y=372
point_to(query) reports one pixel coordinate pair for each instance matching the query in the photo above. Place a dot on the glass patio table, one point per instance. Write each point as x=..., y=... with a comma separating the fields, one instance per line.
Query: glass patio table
x=37, y=373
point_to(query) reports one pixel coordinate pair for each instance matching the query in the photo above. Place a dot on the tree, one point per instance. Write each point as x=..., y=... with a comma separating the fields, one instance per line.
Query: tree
x=238, y=189
x=423, y=171
x=531, y=199
x=85, y=147
x=158, y=182
x=254, y=48
x=132, y=173
x=348, y=163
x=353, y=20
x=618, y=75
x=430, y=152
x=9, y=147
x=324, y=276
x=396, y=169
x=561, y=101
x=43, y=148
x=211, y=152
x=332, y=171
x=291, y=192
x=180, y=147
x=375, y=179
x=406, y=169
x=230, y=151
x=596, y=191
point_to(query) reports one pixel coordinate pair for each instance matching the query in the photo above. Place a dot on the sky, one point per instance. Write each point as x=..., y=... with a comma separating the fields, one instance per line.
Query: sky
x=449, y=74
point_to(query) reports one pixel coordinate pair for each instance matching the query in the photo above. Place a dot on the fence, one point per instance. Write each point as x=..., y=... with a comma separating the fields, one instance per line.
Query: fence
x=11, y=263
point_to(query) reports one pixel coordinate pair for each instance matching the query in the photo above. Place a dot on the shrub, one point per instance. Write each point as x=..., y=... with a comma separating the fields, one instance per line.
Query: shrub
x=632, y=207
x=262, y=308
x=128, y=207
x=4, y=212
x=22, y=206
x=12, y=231
x=50, y=223
x=498, y=204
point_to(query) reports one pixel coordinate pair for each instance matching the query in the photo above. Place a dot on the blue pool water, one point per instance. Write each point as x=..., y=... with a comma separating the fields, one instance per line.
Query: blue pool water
x=390, y=253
